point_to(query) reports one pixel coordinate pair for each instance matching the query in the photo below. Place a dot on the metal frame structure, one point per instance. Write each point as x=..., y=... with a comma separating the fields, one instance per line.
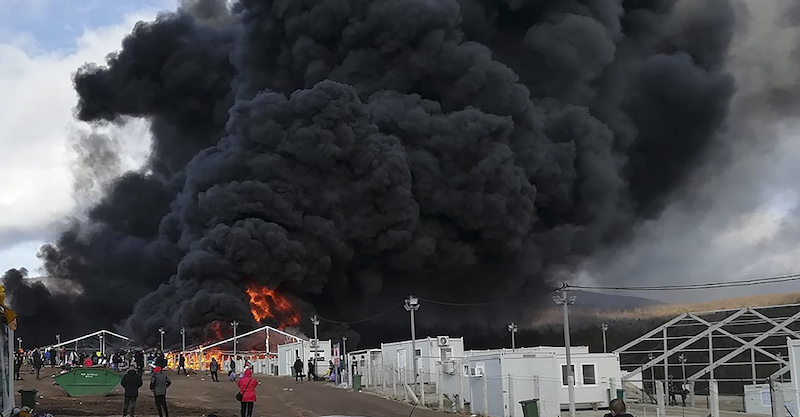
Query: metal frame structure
x=266, y=329
x=101, y=334
x=696, y=344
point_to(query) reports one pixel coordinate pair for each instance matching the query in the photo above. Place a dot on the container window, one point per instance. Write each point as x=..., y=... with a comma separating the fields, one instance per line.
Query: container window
x=588, y=375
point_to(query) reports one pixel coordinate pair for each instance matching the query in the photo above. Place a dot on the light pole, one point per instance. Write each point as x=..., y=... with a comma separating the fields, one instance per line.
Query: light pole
x=103, y=346
x=19, y=340
x=161, y=332
x=183, y=340
x=58, y=339
x=513, y=329
x=604, y=326
x=412, y=305
x=650, y=357
x=235, y=324
x=565, y=301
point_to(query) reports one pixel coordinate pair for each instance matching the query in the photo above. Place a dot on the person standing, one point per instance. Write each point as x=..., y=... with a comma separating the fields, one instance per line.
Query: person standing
x=298, y=370
x=131, y=382
x=17, y=365
x=232, y=372
x=182, y=365
x=247, y=387
x=37, y=362
x=214, y=368
x=159, y=384
x=139, y=359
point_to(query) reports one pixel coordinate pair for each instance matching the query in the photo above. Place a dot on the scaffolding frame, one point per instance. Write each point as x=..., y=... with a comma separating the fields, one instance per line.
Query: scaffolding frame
x=693, y=345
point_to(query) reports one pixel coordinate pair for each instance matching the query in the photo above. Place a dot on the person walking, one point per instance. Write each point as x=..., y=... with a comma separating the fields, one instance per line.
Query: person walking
x=37, y=362
x=159, y=384
x=247, y=389
x=182, y=365
x=312, y=375
x=131, y=382
x=214, y=368
x=232, y=371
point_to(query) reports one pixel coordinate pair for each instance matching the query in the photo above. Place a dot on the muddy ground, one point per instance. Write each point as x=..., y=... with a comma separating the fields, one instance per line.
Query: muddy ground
x=197, y=395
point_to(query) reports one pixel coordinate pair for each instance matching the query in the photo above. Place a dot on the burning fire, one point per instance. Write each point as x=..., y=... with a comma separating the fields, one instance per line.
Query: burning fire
x=266, y=303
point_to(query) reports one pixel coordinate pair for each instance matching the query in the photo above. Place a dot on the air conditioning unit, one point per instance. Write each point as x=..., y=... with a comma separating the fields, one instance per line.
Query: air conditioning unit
x=443, y=341
x=314, y=343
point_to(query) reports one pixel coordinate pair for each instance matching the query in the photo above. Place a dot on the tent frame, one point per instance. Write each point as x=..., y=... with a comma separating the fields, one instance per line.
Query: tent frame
x=686, y=340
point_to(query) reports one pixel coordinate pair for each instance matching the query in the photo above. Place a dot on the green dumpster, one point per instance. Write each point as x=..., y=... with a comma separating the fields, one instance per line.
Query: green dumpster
x=356, y=383
x=82, y=382
x=530, y=408
x=28, y=398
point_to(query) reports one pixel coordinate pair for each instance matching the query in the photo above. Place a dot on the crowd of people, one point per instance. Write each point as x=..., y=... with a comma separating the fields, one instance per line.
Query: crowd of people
x=160, y=382
x=134, y=364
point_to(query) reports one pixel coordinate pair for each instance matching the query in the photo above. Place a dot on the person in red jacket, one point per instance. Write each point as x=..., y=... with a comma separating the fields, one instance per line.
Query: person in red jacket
x=87, y=363
x=247, y=386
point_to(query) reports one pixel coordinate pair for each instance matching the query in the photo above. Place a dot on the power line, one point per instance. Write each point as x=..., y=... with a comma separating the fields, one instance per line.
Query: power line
x=362, y=320
x=699, y=286
x=480, y=304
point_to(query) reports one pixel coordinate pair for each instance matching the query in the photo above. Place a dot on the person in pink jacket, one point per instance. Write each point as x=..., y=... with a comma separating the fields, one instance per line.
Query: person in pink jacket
x=247, y=386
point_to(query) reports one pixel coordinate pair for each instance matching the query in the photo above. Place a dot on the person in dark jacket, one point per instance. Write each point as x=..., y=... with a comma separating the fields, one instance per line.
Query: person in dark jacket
x=232, y=371
x=298, y=370
x=214, y=368
x=312, y=376
x=617, y=408
x=132, y=381
x=182, y=365
x=159, y=384
x=17, y=365
x=37, y=362
x=138, y=357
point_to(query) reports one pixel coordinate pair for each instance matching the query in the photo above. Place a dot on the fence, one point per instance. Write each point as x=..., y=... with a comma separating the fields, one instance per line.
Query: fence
x=450, y=387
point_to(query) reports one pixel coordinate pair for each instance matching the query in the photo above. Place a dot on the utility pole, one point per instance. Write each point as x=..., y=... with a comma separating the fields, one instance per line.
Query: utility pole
x=344, y=353
x=412, y=305
x=58, y=339
x=19, y=340
x=161, y=332
x=234, y=324
x=103, y=346
x=513, y=329
x=315, y=322
x=183, y=340
x=604, y=326
x=565, y=301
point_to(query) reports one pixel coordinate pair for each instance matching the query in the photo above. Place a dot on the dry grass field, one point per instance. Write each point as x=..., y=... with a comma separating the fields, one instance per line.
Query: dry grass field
x=553, y=316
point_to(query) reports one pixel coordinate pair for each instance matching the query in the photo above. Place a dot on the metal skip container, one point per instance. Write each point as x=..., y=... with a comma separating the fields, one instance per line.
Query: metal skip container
x=84, y=382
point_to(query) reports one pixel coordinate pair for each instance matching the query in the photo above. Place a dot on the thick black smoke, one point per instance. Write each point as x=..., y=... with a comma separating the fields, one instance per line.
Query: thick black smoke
x=350, y=152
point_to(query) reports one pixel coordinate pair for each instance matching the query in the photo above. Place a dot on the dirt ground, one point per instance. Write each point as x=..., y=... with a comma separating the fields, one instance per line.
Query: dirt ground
x=197, y=395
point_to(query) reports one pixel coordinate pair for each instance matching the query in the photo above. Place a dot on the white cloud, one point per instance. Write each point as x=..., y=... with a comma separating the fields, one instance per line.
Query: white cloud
x=37, y=130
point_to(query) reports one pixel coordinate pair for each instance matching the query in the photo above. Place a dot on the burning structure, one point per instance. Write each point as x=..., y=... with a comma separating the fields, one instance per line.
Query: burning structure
x=335, y=156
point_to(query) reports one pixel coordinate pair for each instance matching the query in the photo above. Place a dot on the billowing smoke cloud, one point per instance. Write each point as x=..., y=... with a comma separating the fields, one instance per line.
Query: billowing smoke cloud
x=744, y=214
x=350, y=152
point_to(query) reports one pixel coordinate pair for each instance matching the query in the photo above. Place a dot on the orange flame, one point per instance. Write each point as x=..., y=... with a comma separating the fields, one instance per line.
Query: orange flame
x=266, y=303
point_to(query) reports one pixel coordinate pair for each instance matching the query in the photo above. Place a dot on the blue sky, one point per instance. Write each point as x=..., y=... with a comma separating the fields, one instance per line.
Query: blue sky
x=42, y=43
x=56, y=24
